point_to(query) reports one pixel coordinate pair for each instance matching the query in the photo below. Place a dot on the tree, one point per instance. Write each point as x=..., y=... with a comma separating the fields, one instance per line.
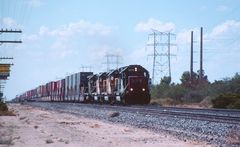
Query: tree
x=166, y=80
x=185, y=78
x=187, y=81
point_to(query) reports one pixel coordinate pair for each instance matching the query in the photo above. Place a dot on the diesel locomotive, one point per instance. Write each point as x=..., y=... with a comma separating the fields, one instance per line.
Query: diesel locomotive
x=125, y=85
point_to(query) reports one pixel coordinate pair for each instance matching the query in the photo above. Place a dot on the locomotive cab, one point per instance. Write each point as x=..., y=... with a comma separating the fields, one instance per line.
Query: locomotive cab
x=137, y=84
x=134, y=85
x=138, y=91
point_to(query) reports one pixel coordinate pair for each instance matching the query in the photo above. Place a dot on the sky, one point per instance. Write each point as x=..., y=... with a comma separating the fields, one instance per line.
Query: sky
x=59, y=37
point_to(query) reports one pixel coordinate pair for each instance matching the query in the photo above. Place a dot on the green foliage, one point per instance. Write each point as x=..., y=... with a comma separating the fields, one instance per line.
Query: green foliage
x=227, y=85
x=3, y=107
x=185, y=78
x=173, y=91
x=159, y=91
x=176, y=92
x=198, y=89
x=193, y=82
x=166, y=80
x=193, y=96
x=230, y=100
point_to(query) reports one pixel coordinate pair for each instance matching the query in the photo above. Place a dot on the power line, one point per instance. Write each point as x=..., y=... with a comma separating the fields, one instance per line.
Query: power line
x=112, y=61
x=86, y=68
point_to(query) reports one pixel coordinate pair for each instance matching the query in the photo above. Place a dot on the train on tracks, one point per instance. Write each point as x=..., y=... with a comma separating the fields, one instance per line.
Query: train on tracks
x=125, y=85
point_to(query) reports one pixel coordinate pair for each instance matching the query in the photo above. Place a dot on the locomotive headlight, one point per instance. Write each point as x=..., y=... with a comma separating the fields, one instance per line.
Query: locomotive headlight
x=143, y=89
x=131, y=89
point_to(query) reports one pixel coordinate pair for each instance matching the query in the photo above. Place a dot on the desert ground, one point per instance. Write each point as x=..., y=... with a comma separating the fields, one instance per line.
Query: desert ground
x=36, y=127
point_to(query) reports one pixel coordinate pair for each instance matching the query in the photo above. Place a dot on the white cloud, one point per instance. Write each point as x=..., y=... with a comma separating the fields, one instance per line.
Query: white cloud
x=139, y=56
x=9, y=22
x=44, y=31
x=184, y=37
x=229, y=26
x=30, y=38
x=63, y=46
x=98, y=56
x=154, y=24
x=61, y=50
x=82, y=27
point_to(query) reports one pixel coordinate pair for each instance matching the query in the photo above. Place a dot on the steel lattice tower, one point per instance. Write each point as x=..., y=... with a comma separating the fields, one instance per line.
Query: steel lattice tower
x=112, y=61
x=161, y=43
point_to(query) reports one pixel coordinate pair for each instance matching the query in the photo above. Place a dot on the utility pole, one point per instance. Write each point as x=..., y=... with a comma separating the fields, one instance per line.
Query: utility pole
x=191, y=58
x=169, y=58
x=161, y=53
x=5, y=67
x=112, y=61
x=201, y=54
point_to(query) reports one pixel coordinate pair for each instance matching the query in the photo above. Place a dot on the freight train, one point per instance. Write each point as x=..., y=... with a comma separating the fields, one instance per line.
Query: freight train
x=125, y=85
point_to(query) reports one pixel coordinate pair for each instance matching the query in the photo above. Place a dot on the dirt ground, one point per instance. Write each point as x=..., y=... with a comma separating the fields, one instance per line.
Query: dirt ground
x=35, y=127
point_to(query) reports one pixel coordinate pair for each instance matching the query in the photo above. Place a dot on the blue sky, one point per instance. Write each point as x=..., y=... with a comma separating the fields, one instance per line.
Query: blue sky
x=61, y=36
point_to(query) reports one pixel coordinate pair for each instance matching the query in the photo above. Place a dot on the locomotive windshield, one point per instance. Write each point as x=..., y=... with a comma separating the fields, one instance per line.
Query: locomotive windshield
x=136, y=81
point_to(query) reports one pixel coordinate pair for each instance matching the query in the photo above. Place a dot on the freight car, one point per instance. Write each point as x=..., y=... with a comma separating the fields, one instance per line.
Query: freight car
x=125, y=85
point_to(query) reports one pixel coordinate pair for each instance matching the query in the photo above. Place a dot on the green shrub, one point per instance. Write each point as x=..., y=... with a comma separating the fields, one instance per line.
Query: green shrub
x=196, y=90
x=3, y=107
x=177, y=92
x=230, y=101
x=193, y=96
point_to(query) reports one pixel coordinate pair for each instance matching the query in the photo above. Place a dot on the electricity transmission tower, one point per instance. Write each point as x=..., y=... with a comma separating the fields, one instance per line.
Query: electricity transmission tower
x=161, y=43
x=112, y=61
x=86, y=68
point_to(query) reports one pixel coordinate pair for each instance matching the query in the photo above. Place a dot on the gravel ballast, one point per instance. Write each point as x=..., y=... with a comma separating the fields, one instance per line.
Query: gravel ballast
x=213, y=132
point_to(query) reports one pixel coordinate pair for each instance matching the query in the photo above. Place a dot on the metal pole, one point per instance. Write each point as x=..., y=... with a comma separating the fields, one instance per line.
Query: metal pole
x=191, y=58
x=169, y=63
x=154, y=55
x=201, y=54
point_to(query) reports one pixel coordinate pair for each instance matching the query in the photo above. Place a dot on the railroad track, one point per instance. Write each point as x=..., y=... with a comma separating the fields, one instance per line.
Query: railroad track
x=197, y=116
x=210, y=115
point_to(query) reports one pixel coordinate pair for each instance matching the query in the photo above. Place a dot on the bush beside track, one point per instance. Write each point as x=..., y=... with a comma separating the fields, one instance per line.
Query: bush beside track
x=4, y=110
x=3, y=107
x=218, y=94
x=230, y=101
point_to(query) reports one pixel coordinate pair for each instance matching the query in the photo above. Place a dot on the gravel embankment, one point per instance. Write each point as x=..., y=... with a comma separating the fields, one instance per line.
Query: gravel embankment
x=214, y=133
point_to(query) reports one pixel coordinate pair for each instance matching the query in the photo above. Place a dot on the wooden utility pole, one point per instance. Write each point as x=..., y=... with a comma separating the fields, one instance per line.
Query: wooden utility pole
x=5, y=67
